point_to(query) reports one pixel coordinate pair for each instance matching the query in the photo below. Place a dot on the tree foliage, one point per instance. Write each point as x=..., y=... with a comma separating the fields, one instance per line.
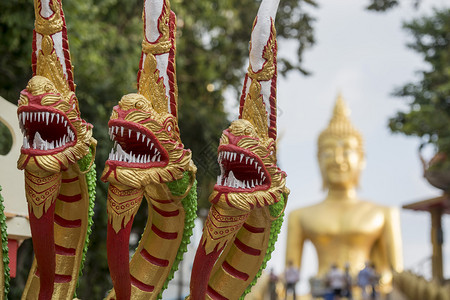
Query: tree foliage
x=105, y=42
x=429, y=98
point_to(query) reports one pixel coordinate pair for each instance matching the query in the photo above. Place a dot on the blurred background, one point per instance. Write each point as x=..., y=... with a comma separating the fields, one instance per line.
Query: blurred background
x=389, y=59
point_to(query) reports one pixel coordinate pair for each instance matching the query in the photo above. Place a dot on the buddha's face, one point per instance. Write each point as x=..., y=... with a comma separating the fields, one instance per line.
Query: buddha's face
x=341, y=161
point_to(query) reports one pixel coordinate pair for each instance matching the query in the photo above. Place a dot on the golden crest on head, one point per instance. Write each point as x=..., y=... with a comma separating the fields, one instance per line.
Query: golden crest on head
x=52, y=24
x=254, y=109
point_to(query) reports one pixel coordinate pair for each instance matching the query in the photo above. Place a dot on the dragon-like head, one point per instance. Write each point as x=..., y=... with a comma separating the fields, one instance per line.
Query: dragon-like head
x=54, y=135
x=144, y=126
x=247, y=152
x=147, y=145
x=249, y=174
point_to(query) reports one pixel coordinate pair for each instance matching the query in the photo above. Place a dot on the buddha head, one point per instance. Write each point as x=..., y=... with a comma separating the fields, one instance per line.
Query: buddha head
x=340, y=150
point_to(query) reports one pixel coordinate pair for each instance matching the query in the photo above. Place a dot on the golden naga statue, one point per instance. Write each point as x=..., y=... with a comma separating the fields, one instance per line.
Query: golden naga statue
x=57, y=156
x=250, y=195
x=149, y=159
x=343, y=228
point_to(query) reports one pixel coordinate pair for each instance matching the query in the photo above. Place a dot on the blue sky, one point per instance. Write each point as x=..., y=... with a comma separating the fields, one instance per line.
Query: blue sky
x=363, y=55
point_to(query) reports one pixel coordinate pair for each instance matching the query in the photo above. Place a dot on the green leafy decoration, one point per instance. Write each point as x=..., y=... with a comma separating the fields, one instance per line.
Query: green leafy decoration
x=4, y=245
x=91, y=179
x=275, y=228
x=178, y=188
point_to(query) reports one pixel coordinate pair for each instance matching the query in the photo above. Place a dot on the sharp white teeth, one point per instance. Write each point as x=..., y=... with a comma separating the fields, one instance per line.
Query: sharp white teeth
x=262, y=175
x=139, y=158
x=251, y=161
x=138, y=134
x=47, y=115
x=151, y=146
x=153, y=158
x=234, y=156
x=39, y=116
x=253, y=185
x=158, y=158
x=256, y=165
x=121, y=130
x=246, y=159
x=57, y=118
x=65, y=123
x=242, y=156
x=259, y=169
x=129, y=133
x=52, y=116
x=143, y=138
x=148, y=141
x=264, y=178
x=117, y=129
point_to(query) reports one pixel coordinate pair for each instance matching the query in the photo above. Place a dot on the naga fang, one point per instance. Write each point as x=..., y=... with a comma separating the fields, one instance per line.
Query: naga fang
x=149, y=159
x=249, y=198
x=57, y=155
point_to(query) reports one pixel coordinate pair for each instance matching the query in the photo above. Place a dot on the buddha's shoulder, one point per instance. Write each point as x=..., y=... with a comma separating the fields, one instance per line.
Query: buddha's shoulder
x=361, y=206
x=307, y=210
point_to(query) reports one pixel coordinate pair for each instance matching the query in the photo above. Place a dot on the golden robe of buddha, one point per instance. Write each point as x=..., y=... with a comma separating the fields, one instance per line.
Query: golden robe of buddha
x=343, y=228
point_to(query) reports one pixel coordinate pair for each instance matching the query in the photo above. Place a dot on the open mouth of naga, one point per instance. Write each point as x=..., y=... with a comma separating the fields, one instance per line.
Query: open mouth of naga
x=45, y=131
x=135, y=146
x=241, y=171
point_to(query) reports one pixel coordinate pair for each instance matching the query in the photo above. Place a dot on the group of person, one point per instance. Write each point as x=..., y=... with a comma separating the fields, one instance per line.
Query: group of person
x=339, y=283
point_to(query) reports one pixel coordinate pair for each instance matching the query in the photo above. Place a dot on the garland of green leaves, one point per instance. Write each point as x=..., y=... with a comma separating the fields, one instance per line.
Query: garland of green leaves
x=275, y=228
x=178, y=188
x=4, y=246
x=91, y=180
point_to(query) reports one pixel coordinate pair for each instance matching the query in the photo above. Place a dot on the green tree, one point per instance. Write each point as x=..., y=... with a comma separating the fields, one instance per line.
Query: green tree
x=105, y=40
x=428, y=116
x=105, y=43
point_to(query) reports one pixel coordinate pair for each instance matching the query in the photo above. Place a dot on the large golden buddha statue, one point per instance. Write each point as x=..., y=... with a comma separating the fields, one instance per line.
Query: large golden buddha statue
x=343, y=228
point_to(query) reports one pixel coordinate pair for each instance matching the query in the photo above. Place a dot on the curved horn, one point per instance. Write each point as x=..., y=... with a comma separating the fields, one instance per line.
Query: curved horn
x=156, y=75
x=58, y=184
x=258, y=100
x=51, y=56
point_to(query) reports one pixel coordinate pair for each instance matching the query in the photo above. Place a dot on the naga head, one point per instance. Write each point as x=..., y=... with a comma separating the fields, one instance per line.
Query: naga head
x=249, y=175
x=147, y=145
x=144, y=126
x=54, y=135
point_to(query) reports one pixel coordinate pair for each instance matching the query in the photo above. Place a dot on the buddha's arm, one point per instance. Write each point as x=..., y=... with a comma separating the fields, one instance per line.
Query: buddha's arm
x=392, y=234
x=295, y=239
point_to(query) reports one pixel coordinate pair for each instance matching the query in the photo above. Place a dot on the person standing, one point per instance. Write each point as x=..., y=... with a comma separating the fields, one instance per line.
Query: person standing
x=347, y=293
x=292, y=276
x=336, y=281
x=273, y=280
x=365, y=277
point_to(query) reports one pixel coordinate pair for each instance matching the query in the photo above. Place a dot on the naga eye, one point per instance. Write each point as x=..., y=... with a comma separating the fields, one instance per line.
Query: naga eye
x=271, y=152
x=169, y=128
x=139, y=104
